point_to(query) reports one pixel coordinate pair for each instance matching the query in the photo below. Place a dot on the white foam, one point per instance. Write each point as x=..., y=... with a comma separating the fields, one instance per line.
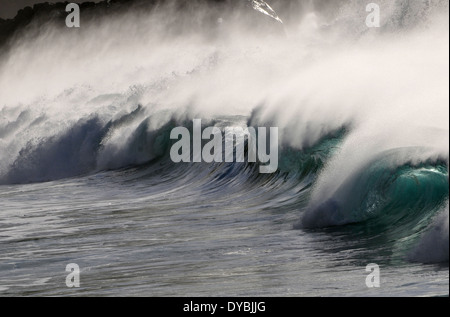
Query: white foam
x=390, y=86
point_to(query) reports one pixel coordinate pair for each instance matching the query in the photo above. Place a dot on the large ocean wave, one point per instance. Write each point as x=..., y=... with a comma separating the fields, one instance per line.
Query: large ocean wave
x=363, y=113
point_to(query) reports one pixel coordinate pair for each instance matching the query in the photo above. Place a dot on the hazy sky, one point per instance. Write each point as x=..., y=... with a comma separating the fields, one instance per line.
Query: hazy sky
x=9, y=8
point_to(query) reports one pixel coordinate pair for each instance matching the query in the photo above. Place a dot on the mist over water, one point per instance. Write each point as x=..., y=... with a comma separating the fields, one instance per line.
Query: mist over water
x=362, y=116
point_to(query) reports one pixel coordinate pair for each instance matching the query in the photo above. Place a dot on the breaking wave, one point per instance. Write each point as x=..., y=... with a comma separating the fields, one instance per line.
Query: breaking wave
x=363, y=113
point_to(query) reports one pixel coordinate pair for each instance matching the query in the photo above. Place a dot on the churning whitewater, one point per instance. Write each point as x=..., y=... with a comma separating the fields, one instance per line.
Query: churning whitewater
x=87, y=175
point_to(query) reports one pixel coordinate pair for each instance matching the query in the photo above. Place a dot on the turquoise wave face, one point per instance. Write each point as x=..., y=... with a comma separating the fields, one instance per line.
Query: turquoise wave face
x=412, y=191
x=384, y=206
x=309, y=161
x=383, y=195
